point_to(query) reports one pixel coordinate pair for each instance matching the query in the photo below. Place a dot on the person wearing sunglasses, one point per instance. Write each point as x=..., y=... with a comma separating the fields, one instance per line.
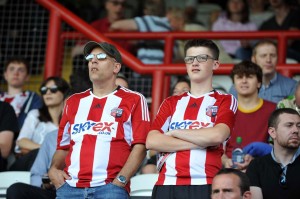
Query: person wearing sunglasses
x=102, y=133
x=189, y=129
x=39, y=122
x=277, y=175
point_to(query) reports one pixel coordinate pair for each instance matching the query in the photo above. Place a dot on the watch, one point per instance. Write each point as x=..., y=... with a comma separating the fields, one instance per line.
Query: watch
x=122, y=179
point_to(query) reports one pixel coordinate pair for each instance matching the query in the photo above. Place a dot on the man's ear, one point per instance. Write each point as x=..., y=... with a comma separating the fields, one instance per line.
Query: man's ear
x=117, y=67
x=247, y=195
x=272, y=132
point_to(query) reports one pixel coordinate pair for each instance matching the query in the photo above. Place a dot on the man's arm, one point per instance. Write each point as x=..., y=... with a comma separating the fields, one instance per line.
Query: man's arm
x=204, y=137
x=56, y=173
x=6, y=141
x=124, y=25
x=133, y=162
x=164, y=143
x=256, y=192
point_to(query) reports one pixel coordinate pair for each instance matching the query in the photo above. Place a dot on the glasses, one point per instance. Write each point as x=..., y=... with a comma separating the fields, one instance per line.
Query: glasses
x=100, y=56
x=117, y=3
x=282, y=178
x=200, y=58
x=52, y=89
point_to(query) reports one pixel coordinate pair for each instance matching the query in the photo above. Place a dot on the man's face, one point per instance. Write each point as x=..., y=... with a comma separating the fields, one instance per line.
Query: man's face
x=200, y=70
x=103, y=69
x=115, y=9
x=297, y=96
x=16, y=74
x=226, y=186
x=287, y=133
x=246, y=85
x=266, y=58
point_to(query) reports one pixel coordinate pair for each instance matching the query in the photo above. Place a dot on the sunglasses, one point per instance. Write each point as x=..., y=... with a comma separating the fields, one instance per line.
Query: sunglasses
x=100, y=56
x=200, y=58
x=52, y=89
x=282, y=178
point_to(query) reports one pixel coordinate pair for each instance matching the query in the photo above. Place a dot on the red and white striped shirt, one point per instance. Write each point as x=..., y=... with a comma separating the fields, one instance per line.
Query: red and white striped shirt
x=99, y=134
x=197, y=166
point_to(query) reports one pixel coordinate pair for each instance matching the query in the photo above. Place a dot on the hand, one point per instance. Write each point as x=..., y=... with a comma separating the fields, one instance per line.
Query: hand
x=243, y=166
x=228, y=163
x=257, y=149
x=58, y=177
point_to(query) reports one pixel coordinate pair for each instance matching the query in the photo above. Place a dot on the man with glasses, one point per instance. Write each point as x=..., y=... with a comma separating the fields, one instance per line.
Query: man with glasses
x=102, y=133
x=277, y=175
x=190, y=128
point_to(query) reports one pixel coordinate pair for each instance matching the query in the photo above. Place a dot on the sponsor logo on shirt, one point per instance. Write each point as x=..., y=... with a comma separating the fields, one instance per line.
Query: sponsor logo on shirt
x=189, y=125
x=95, y=128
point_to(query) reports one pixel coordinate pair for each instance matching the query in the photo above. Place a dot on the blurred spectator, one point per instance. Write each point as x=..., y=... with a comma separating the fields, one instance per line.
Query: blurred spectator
x=235, y=18
x=16, y=74
x=230, y=184
x=8, y=132
x=115, y=10
x=292, y=101
x=40, y=122
x=178, y=22
x=36, y=188
x=275, y=86
x=121, y=80
x=287, y=15
x=277, y=174
x=182, y=85
x=247, y=80
x=259, y=12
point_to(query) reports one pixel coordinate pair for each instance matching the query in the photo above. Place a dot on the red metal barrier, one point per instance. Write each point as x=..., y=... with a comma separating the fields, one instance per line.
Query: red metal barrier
x=159, y=72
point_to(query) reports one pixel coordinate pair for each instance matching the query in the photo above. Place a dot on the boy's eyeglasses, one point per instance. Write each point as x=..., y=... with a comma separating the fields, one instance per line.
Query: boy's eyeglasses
x=100, y=56
x=282, y=178
x=200, y=58
x=52, y=89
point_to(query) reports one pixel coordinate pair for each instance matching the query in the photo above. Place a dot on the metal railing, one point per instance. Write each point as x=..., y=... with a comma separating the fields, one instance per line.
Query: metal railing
x=53, y=63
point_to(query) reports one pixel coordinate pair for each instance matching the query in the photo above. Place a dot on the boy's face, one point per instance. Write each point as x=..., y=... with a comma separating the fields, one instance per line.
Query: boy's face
x=16, y=74
x=246, y=85
x=201, y=69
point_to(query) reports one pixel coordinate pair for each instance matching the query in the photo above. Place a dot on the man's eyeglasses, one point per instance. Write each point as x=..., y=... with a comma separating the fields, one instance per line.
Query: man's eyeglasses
x=117, y=3
x=282, y=178
x=100, y=56
x=200, y=58
x=44, y=89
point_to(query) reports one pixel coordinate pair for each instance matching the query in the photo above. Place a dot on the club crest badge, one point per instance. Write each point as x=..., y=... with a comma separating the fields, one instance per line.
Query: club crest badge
x=211, y=111
x=116, y=112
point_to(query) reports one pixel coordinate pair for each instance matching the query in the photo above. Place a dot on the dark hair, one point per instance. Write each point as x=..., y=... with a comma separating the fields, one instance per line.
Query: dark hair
x=122, y=76
x=274, y=118
x=245, y=12
x=19, y=60
x=263, y=42
x=203, y=43
x=244, y=180
x=181, y=79
x=63, y=87
x=247, y=68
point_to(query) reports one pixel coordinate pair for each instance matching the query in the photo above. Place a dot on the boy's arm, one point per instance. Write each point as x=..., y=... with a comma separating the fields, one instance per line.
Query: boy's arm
x=164, y=143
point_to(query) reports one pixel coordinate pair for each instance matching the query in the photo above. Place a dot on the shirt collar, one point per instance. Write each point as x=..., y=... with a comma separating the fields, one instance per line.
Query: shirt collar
x=292, y=160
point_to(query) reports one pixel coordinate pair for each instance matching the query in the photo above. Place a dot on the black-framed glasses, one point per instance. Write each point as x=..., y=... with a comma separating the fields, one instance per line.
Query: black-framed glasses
x=44, y=89
x=282, y=178
x=200, y=58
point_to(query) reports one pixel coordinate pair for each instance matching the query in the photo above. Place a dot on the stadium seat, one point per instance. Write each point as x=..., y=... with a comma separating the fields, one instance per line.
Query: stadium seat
x=141, y=186
x=8, y=178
